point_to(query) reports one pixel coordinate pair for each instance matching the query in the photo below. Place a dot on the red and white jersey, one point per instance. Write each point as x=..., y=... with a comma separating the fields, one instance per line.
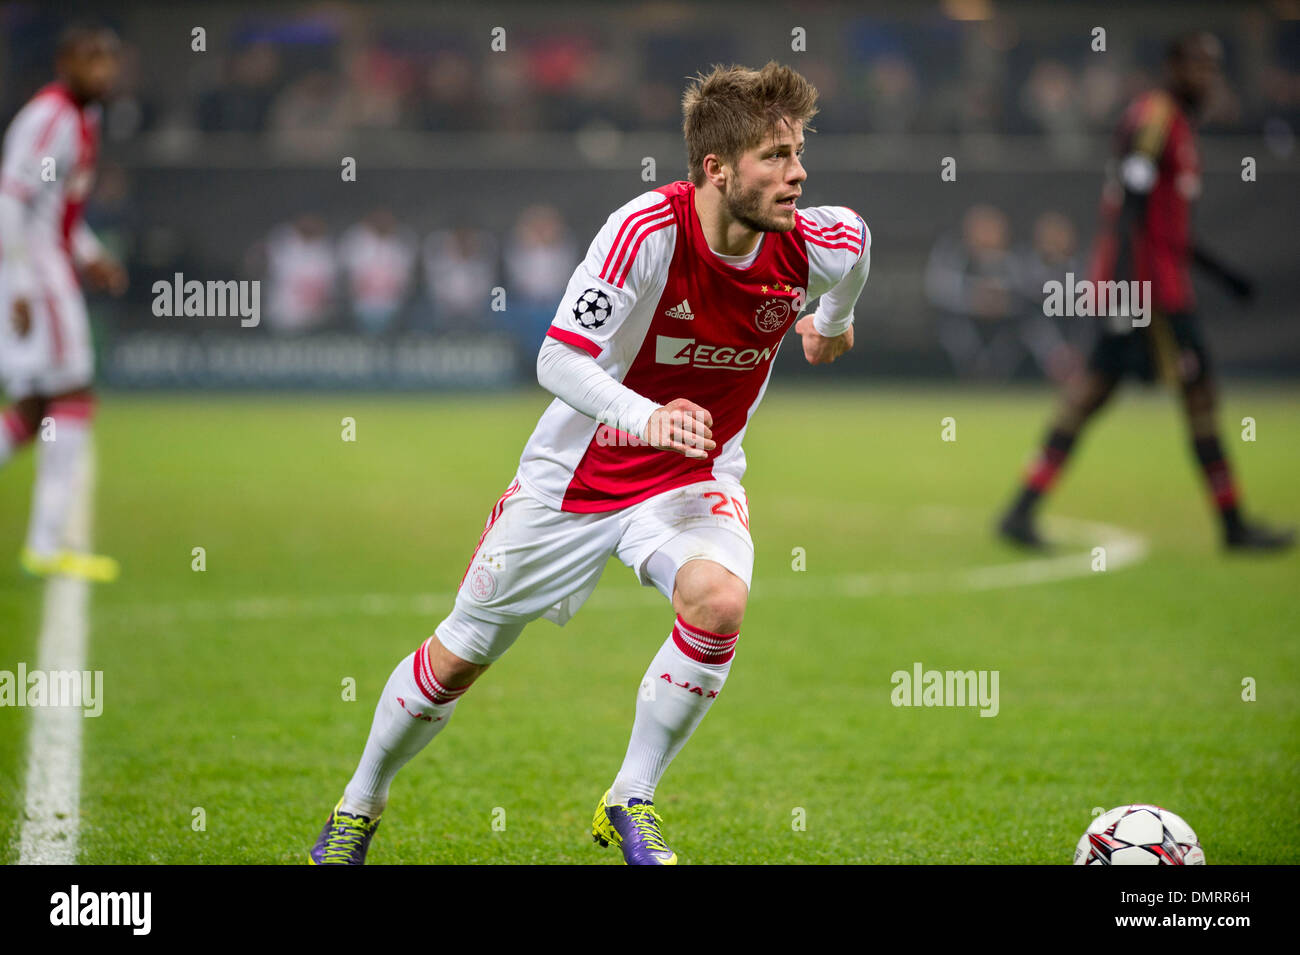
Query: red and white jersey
x=50, y=150
x=661, y=313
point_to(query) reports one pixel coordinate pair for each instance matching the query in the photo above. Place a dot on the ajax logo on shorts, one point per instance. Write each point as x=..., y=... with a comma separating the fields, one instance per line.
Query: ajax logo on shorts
x=482, y=582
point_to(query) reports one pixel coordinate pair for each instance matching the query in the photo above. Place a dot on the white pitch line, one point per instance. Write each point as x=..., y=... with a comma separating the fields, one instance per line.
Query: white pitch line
x=1123, y=548
x=52, y=817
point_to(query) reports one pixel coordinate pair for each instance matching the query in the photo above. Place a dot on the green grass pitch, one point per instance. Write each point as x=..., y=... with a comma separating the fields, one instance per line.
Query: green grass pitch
x=329, y=560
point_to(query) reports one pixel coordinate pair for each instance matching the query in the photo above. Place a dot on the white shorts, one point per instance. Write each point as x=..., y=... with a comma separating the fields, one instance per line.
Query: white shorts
x=56, y=354
x=534, y=561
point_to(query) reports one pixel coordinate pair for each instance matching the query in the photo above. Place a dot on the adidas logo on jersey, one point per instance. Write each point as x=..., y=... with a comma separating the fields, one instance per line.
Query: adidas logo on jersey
x=681, y=310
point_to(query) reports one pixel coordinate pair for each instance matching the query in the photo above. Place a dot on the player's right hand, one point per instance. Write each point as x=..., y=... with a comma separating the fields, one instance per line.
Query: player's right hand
x=106, y=274
x=681, y=426
x=22, y=317
x=817, y=348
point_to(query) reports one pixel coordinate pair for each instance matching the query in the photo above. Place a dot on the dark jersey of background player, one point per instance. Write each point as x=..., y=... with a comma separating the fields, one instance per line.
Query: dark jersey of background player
x=1159, y=172
x=1146, y=236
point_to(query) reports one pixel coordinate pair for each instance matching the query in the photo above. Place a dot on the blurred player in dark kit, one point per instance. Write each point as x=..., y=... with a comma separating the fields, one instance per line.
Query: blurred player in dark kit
x=1146, y=237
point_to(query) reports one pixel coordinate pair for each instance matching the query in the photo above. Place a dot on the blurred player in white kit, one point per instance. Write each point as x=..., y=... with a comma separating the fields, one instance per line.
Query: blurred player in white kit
x=46, y=355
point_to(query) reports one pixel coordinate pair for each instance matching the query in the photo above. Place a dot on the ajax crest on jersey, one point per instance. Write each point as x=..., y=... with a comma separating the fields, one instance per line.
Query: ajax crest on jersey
x=771, y=315
x=1139, y=835
x=592, y=309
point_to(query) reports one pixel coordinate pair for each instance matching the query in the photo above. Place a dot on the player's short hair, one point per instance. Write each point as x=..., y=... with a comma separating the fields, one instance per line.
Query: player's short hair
x=78, y=32
x=734, y=109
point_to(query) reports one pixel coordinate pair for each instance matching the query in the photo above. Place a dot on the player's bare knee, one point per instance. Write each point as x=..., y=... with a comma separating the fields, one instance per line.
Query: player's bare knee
x=710, y=597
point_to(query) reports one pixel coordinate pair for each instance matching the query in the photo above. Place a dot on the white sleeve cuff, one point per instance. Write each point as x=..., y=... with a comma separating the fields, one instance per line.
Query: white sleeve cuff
x=831, y=329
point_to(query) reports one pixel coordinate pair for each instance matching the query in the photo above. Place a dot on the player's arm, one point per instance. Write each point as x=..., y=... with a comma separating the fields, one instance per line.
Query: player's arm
x=20, y=184
x=14, y=261
x=1138, y=171
x=42, y=133
x=101, y=268
x=1236, y=283
x=828, y=333
x=1133, y=212
x=573, y=376
x=589, y=327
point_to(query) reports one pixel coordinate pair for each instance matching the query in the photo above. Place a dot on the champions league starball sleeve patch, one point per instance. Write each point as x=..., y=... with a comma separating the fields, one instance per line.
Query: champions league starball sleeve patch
x=592, y=309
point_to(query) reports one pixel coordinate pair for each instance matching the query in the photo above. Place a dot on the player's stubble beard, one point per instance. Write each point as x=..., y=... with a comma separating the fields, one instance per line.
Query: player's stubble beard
x=746, y=206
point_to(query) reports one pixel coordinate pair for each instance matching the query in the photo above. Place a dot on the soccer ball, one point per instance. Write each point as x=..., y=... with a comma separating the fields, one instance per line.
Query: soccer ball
x=592, y=309
x=1139, y=835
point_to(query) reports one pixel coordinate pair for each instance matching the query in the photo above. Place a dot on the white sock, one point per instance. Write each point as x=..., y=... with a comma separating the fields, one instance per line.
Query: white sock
x=412, y=710
x=13, y=434
x=58, y=470
x=679, y=687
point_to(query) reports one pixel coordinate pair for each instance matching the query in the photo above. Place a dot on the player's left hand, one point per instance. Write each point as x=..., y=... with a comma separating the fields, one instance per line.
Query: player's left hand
x=106, y=274
x=818, y=349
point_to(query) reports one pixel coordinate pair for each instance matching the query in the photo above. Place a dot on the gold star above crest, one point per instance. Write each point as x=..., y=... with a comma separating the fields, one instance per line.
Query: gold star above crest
x=765, y=289
x=787, y=288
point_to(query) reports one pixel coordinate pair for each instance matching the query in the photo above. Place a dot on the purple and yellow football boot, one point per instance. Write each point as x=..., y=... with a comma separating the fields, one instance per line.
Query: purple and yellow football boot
x=634, y=828
x=344, y=840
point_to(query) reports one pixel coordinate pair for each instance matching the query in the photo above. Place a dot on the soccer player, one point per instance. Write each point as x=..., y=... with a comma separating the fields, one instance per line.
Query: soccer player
x=1147, y=237
x=46, y=362
x=659, y=353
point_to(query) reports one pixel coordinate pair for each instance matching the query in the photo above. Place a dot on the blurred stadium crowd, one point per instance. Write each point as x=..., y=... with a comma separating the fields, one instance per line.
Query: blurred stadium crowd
x=281, y=89
x=373, y=274
x=301, y=72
